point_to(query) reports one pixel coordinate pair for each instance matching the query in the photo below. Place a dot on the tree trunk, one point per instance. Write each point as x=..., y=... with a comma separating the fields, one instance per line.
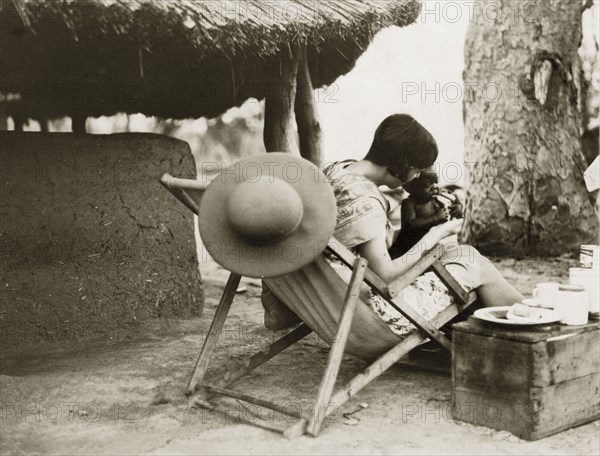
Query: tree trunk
x=522, y=125
x=307, y=117
x=279, y=104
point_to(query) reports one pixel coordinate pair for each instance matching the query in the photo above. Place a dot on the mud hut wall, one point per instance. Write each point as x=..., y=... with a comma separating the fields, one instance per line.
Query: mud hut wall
x=90, y=244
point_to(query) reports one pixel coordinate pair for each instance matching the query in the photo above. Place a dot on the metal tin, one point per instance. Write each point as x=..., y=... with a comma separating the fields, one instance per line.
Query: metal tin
x=589, y=256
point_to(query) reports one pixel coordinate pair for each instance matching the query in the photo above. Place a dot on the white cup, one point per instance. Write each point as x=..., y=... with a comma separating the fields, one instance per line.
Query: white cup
x=590, y=279
x=546, y=294
x=572, y=304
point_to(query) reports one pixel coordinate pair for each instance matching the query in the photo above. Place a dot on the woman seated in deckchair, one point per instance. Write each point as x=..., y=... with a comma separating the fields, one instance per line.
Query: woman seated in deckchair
x=401, y=149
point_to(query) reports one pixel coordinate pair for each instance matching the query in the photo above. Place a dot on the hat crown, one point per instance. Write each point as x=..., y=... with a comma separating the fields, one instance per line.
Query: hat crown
x=264, y=210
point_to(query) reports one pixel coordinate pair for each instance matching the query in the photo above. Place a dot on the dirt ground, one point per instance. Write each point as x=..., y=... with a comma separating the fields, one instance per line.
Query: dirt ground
x=127, y=396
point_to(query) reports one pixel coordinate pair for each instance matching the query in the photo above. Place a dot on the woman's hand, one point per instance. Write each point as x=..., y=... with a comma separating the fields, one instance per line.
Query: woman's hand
x=444, y=230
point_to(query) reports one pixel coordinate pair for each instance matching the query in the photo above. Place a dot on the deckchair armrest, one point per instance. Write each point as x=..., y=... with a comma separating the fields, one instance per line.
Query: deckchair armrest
x=393, y=289
x=342, y=253
x=188, y=191
x=426, y=261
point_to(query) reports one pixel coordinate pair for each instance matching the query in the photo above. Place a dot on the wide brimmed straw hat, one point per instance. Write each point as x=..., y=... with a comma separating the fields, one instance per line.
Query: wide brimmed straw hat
x=267, y=215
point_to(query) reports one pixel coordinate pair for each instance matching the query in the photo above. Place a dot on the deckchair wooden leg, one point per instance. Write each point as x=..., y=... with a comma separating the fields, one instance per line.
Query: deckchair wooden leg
x=337, y=348
x=263, y=356
x=383, y=363
x=256, y=421
x=210, y=342
x=252, y=400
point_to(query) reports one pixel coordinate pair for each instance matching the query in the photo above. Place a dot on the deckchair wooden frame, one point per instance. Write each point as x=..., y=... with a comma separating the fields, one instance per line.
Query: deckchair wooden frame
x=185, y=190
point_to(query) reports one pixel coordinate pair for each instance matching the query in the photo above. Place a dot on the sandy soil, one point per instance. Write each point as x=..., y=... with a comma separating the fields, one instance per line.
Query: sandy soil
x=126, y=397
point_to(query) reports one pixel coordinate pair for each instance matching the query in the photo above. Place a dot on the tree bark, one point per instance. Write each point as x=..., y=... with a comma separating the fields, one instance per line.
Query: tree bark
x=279, y=104
x=307, y=116
x=522, y=127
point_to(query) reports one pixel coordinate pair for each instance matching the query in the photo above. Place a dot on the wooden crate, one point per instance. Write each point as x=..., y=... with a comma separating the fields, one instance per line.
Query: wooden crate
x=533, y=382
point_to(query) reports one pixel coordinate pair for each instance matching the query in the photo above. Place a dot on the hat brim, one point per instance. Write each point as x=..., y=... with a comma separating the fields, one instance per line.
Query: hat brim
x=293, y=252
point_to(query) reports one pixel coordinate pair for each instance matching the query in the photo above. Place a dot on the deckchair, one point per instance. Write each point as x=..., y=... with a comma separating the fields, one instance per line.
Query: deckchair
x=329, y=306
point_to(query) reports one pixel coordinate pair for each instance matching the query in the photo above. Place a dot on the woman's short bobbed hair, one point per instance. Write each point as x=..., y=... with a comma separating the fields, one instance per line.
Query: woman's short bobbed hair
x=400, y=143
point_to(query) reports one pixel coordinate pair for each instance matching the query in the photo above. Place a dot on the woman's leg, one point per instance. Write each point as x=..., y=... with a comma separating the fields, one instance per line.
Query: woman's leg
x=474, y=271
x=494, y=290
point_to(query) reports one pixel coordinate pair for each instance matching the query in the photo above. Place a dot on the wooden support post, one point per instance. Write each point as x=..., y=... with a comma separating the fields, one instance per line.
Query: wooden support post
x=210, y=342
x=78, y=123
x=19, y=121
x=3, y=117
x=279, y=104
x=307, y=116
x=43, y=121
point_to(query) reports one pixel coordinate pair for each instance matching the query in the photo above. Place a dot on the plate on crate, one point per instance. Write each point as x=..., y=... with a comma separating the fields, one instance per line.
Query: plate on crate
x=498, y=315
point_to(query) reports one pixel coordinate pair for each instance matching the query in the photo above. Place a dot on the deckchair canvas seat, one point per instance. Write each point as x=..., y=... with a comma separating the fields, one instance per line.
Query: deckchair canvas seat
x=316, y=294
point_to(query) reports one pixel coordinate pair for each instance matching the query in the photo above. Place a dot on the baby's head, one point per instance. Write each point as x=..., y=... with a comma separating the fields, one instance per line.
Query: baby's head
x=425, y=186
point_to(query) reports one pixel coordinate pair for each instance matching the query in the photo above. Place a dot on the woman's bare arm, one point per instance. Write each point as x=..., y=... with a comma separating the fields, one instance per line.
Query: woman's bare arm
x=380, y=262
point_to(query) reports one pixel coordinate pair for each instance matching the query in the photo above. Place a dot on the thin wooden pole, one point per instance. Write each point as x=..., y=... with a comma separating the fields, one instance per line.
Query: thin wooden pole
x=210, y=342
x=307, y=116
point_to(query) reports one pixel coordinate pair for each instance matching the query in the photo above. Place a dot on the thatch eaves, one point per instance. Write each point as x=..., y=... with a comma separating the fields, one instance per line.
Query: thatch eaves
x=175, y=58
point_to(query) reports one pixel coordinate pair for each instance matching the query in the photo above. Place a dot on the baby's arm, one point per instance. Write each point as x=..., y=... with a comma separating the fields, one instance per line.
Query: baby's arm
x=411, y=219
x=457, y=207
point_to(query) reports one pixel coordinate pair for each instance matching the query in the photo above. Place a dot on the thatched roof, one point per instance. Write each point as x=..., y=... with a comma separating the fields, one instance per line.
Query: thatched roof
x=175, y=58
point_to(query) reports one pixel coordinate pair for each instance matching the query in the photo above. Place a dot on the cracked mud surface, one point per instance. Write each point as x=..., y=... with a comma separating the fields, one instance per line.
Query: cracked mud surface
x=91, y=244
